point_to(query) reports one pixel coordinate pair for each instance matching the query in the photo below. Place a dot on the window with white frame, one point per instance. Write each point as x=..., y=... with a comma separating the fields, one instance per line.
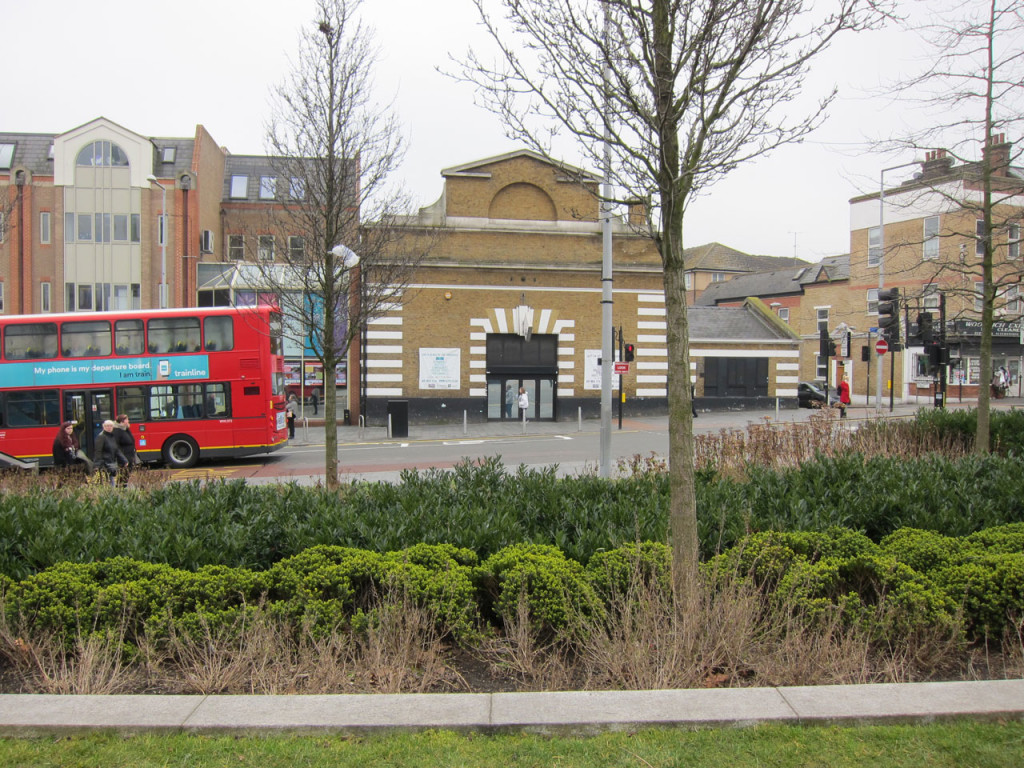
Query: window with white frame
x=1013, y=241
x=44, y=227
x=784, y=314
x=84, y=228
x=268, y=187
x=296, y=248
x=239, y=187
x=44, y=297
x=930, y=297
x=979, y=296
x=931, y=237
x=6, y=155
x=823, y=318
x=236, y=247
x=1, y=297
x=266, y=248
x=718, y=277
x=1011, y=300
x=167, y=154
x=979, y=237
x=135, y=227
x=874, y=246
x=297, y=189
x=688, y=281
x=872, y=301
x=120, y=227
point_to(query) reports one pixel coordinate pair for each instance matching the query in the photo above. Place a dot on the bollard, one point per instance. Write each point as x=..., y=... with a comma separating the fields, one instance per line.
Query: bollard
x=579, y=418
x=305, y=428
x=465, y=422
x=362, y=426
x=389, y=426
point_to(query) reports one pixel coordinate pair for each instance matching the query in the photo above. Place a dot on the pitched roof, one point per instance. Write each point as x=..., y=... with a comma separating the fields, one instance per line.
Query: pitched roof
x=479, y=167
x=31, y=151
x=736, y=323
x=780, y=282
x=718, y=257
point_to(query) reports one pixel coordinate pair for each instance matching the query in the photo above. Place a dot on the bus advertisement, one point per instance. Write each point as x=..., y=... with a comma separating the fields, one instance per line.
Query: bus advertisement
x=195, y=382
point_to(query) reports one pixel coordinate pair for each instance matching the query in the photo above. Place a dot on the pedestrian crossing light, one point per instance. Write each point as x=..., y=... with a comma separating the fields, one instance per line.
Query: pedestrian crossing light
x=629, y=353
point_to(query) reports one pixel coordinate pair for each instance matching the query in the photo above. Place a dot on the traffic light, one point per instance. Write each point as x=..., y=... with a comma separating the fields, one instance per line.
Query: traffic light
x=889, y=316
x=826, y=347
x=925, y=328
x=629, y=353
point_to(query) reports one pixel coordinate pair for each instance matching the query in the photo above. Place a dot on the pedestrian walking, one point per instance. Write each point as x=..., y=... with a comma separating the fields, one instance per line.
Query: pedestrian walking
x=510, y=400
x=107, y=456
x=524, y=402
x=844, y=395
x=289, y=413
x=66, y=449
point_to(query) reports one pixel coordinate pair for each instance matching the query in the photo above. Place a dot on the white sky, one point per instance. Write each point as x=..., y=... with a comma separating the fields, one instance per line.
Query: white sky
x=159, y=69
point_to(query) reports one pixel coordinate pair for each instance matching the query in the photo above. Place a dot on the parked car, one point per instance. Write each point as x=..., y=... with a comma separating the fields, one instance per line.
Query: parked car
x=811, y=394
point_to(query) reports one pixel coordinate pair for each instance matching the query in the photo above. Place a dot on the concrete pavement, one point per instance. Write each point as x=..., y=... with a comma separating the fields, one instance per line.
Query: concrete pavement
x=577, y=712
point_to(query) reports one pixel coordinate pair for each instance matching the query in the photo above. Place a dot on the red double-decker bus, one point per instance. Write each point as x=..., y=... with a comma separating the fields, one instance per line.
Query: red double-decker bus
x=196, y=382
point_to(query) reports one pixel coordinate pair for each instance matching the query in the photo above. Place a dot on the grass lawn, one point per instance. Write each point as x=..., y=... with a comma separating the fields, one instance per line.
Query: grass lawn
x=961, y=744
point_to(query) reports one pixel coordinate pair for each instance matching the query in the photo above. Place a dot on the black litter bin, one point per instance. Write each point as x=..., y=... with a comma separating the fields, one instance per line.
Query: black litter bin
x=398, y=415
x=347, y=417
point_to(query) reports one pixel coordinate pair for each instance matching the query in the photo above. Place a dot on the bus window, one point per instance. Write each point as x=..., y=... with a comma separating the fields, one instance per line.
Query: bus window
x=219, y=333
x=173, y=334
x=30, y=341
x=128, y=338
x=36, y=408
x=217, y=401
x=276, y=335
x=132, y=401
x=162, y=403
x=190, y=400
x=85, y=339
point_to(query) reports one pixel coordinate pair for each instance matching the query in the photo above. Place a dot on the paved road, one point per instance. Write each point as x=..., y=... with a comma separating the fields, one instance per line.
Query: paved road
x=574, y=446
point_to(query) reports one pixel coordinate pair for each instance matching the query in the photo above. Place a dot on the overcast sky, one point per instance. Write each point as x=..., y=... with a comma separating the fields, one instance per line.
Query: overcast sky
x=159, y=69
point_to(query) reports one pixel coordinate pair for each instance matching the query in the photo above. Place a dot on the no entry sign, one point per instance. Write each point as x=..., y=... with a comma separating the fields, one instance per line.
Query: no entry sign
x=881, y=346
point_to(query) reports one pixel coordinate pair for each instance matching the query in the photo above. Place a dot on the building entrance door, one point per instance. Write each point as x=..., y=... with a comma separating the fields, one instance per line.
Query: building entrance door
x=503, y=397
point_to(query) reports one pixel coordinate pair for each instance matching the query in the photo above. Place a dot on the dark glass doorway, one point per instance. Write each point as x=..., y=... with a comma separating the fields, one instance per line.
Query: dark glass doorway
x=539, y=390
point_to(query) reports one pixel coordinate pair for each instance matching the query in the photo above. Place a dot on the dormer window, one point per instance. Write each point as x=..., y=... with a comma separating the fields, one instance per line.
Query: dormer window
x=6, y=156
x=167, y=154
x=239, y=187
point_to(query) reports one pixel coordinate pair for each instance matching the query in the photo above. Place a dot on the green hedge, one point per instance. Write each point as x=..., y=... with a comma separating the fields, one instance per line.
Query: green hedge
x=911, y=582
x=482, y=509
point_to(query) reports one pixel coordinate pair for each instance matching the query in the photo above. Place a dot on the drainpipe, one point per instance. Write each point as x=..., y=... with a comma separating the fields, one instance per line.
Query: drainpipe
x=19, y=182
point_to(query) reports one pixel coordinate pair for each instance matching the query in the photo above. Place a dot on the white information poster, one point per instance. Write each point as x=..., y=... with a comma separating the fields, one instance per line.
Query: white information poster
x=592, y=371
x=439, y=368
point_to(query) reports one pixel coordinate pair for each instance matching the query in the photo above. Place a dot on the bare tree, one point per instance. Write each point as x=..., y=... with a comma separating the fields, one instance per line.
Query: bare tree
x=336, y=148
x=680, y=92
x=973, y=92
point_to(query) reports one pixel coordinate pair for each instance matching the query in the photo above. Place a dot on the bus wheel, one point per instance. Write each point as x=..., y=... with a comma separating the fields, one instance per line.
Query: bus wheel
x=181, y=452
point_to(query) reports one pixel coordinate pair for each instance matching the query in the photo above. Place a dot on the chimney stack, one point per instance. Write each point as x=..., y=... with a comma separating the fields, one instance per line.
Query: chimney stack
x=997, y=153
x=937, y=162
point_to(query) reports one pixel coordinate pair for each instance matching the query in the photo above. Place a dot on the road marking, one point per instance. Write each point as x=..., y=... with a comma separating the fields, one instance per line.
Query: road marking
x=203, y=473
x=461, y=442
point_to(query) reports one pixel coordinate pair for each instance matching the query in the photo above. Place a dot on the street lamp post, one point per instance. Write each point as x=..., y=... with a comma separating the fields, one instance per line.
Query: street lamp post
x=163, y=240
x=881, y=266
